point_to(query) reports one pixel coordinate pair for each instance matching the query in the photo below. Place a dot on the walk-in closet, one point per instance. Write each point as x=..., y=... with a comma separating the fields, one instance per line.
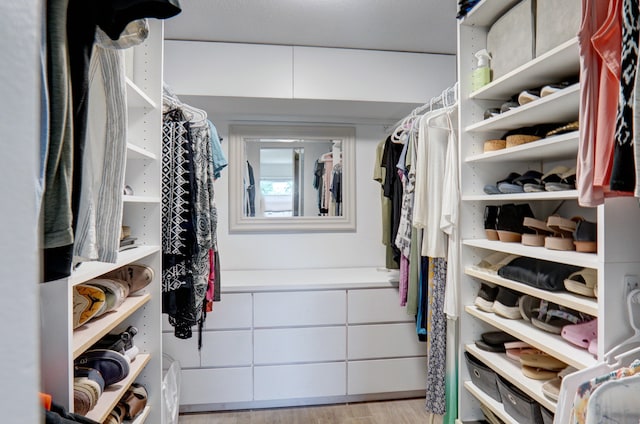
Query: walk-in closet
x=322, y=212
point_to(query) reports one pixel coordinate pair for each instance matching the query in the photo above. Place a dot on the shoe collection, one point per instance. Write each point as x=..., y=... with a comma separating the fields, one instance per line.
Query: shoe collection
x=106, y=293
x=104, y=364
x=525, y=135
x=516, y=224
x=559, y=178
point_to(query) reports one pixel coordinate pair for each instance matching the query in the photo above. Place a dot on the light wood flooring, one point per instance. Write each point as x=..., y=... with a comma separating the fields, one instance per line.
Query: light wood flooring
x=388, y=412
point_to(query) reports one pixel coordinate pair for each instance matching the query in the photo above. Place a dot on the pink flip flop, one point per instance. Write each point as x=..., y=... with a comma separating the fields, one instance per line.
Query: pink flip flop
x=581, y=334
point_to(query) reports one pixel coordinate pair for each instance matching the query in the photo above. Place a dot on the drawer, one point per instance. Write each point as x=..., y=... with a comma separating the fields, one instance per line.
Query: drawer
x=376, y=305
x=286, y=345
x=288, y=309
x=384, y=341
x=387, y=375
x=299, y=381
x=209, y=386
x=184, y=351
x=232, y=312
x=226, y=348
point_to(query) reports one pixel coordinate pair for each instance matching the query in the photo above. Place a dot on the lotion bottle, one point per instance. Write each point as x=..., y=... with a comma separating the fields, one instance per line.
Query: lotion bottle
x=481, y=76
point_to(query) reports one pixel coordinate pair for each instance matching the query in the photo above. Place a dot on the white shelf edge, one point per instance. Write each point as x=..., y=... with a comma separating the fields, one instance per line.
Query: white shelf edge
x=548, y=148
x=496, y=89
x=576, y=302
x=486, y=12
x=140, y=199
x=141, y=418
x=511, y=371
x=89, y=270
x=137, y=152
x=136, y=97
x=553, y=344
x=545, y=195
x=587, y=260
x=495, y=406
x=113, y=393
x=87, y=335
x=502, y=121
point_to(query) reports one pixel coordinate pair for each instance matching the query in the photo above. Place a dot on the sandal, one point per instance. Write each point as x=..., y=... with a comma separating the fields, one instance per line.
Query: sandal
x=116, y=416
x=542, y=360
x=567, y=182
x=133, y=401
x=555, y=175
x=553, y=318
x=563, y=228
x=493, y=188
x=551, y=388
x=541, y=232
x=582, y=282
x=529, y=307
x=538, y=373
x=581, y=334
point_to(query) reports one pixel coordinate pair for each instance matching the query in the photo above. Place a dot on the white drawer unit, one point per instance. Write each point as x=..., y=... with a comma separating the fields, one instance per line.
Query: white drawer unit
x=208, y=386
x=289, y=309
x=376, y=305
x=184, y=351
x=384, y=341
x=234, y=311
x=290, y=345
x=299, y=381
x=226, y=348
x=387, y=375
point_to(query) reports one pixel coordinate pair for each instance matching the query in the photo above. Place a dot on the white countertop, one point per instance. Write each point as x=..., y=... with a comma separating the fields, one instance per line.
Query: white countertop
x=306, y=279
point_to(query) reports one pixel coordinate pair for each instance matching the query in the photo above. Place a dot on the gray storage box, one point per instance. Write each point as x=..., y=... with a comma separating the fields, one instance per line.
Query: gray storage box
x=557, y=21
x=510, y=40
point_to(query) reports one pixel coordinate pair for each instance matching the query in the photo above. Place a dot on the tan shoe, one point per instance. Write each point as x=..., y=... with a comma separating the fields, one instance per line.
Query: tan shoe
x=137, y=276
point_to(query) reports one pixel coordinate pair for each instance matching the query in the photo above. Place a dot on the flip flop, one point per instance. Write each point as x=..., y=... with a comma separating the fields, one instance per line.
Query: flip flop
x=538, y=373
x=582, y=282
x=554, y=175
x=553, y=318
x=551, y=388
x=542, y=360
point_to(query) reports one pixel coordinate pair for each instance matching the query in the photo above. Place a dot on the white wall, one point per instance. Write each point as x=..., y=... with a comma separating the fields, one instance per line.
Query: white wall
x=19, y=260
x=362, y=248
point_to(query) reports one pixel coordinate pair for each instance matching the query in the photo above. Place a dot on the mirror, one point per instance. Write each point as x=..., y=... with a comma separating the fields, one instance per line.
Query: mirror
x=291, y=178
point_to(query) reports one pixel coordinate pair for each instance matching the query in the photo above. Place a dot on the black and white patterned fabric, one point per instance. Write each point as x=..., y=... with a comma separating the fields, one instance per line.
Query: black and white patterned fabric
x=623, y=173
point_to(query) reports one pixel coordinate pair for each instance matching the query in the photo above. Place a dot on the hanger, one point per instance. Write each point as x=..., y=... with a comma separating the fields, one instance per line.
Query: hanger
x=633, y=299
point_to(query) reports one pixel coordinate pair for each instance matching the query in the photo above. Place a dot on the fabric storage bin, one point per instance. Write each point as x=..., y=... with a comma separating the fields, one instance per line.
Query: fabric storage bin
x=482, y=376
x=556, y=22
x=547, y=416
x=517, y=404
x=510, y=40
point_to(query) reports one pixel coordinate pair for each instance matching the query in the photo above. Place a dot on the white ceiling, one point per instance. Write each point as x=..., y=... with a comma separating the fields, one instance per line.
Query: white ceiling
x=424, y=26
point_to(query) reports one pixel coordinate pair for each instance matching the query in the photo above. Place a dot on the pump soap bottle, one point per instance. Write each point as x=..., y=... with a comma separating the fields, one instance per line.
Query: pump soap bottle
x=481, y=76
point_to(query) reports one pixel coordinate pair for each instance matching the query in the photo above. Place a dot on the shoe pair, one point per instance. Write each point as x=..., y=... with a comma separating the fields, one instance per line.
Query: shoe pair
x=505, y=222
x=533, y=94
x=514, y=183
x=499, y=300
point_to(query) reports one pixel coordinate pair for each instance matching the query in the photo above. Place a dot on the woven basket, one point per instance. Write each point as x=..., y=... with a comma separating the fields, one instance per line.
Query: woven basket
x=518, y=139
x=492, y=145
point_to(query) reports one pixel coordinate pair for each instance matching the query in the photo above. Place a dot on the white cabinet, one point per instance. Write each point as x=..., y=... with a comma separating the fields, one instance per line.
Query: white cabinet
x=618, y=216
x=61, y=344
x=304, y=344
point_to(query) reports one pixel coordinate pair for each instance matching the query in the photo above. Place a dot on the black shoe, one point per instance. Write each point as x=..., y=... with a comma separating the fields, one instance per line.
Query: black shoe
x=485, y=298
x=490, y=217
x=507, y=303
x=509, y=222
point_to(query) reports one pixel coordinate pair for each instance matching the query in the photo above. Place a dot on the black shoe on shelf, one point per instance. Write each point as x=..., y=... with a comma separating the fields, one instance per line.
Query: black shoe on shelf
x=485, y=298
x=507, y=303
x=490, y=217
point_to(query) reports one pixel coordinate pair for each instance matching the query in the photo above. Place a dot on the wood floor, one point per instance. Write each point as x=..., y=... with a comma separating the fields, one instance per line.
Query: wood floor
x=389, y=412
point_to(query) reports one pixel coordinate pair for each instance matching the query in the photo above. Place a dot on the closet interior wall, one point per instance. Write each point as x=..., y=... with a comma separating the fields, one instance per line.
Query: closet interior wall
x=60, y=344
x=616, y=256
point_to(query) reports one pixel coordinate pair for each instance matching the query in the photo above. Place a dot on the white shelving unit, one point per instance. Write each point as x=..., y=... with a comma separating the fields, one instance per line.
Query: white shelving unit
x=615, y=257
x=60, y=343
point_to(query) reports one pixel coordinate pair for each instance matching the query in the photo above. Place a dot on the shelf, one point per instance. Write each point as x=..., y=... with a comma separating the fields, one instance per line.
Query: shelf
x=89, y=270
x=573, y=301
x=137, y=152
x=140, y=199
x=113, y=393
x=511, y=371
x=560, y=107
x=486, y=12
x=87, y=335
x=495, y=406
x=137, y=98
x=563, y=146
x=520, y=197
x=141, y=418
x=587, y=260
x=552, y=66
x=553, y=344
